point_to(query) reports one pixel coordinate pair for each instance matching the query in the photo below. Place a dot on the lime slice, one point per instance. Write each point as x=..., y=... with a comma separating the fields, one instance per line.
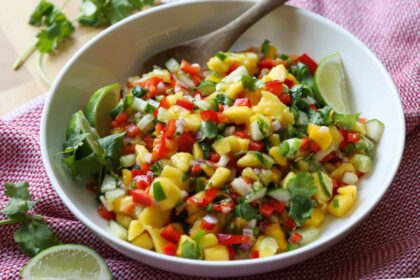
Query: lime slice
x=330, y=84
x=68, y=261
x=100, y=106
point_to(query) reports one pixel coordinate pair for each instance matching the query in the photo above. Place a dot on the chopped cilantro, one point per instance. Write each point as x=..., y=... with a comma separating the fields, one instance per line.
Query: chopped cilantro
x=122, y=105
x=265, y=47
x=251, y=83
x=138, y=91
x=158, y=192
x=208, y=129
x=302, y=74
x=191, y=250
x=346, y=121
x=246, y=211
x=283, y=56
x=221, y=55
x=157, y=168
x=336, y=203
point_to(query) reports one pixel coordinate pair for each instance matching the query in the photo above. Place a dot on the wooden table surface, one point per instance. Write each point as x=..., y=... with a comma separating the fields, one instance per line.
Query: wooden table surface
x=19, y=87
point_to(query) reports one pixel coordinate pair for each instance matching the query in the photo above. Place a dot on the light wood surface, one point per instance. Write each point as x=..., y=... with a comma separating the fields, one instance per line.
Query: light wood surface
x=16, y=35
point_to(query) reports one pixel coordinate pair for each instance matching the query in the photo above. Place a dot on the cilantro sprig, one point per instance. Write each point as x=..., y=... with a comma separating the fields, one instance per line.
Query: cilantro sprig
x=33, y=235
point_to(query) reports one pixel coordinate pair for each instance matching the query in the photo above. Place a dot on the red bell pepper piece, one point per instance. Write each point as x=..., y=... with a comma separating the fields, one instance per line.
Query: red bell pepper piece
x=170, y=129
x=164, y=103
x=309, y=62
x=209, y=115
x=290, y=224
x=196, y=170
x=107, y=215
x=352, y=137
x=121, y=118
x=171, y=234
x=304, y=146
x=143, y=182
x=190, y=69
x=185, y=142
x=241, y=134
x=224, y=207
x=295, y=238
x=230, y=239
x=132, y=130
x=255, y=254
x=159, y=148
x=206, y=225
x=314, y=147
x=233, y=67
x=267, y=63
x=185, y=104
x=169, y=249
x=242, y=102
x=128, y=149
x=141, y=197
x=256, y=146
x=208, y=197
x=286, y=99
x=275, y=87
x=266, y=210
x=214, y=157
x=289, y=83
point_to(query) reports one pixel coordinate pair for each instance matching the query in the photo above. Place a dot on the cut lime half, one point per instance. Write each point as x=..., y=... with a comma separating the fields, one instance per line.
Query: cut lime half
x=100, y=106
x=330, y=84
x=68, y=261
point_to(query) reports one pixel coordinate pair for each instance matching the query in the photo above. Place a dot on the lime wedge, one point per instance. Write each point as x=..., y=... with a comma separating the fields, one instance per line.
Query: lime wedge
x=100, y=106
x=330, y=84
x=68, y=261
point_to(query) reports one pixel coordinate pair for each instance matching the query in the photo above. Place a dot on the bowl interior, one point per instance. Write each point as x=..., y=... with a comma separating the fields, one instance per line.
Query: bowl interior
x=116, y=54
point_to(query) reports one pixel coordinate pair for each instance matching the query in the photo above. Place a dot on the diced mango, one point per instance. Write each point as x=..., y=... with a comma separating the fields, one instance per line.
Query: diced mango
x=271, y=106
x=207, y=169
x=119, y=203
x=238, y=114
x=158, y=241
x=142, y=155
x=278, y=73
x=123, y=219
x=234, y=89
x=321, y=135
x=276, y=175
x=316, y=219
x=185, y=238
x=249, y=160
x=197, y=151
x=192, y=208
x=144, y=241
x=341, y=203
x=222, y=146
x=286, y=179
x=230, y=144
x=192, y=122
x=172, y=98
x=219, y=178
x=154, y=216
x=216, y=253
x=343, y=168
x=266, y=246
x=275, y=154
x=274, y=140
x=135, y=229
x=175, y=175
x=208, y=240
x=172, y=193
x=127, y=177
x=275, y=231
x=336, y=135
x=217, y=65
x=292, y=78
x=182, y=161
x=249, y=173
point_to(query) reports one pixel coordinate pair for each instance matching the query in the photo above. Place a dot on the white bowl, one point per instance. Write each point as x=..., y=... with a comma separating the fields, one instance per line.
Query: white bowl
x=116, y=53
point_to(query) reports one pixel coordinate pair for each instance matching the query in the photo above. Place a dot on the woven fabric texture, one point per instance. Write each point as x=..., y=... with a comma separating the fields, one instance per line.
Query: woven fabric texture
x=385, y=245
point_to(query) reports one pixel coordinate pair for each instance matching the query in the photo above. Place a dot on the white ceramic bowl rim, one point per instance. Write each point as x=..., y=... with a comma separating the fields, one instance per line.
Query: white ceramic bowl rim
x=102, y=232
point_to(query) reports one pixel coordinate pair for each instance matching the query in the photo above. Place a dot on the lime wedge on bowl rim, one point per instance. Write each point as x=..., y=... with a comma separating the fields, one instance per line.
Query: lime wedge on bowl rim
x=100, y=104
x=330, y=84
x=69, y=261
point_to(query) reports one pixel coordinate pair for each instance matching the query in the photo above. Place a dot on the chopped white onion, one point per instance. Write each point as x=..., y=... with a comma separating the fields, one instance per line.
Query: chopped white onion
x=223, y=161
x=240, y=186
x=146, y=122
x=184, y=194
x=107, y=205
x=229, y=131
x=236, y=75
x=202, y=105
x=248, y=232
x=350, y=178
x=252, y=223
x=112, y=195
x=186, y=81
x=180, y=125
x=255, y=132
x=276, y=125
x=210, y=219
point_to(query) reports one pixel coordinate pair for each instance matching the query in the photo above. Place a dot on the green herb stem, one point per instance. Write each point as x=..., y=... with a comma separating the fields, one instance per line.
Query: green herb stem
x=19, y=62
x=40, y=70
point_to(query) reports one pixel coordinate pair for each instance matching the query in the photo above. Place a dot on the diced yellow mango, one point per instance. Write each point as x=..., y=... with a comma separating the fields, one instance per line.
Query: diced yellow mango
x=175, y=175
x=172, y=193
x=275, y=231
x=286, y=179
x=336, y=135
x=292, y=78
x=249, y=173
x=316, y=219
x=192, y=122
x=197, y=151
x=271, y=106
x=343, y=168
x=271, y=52
x=207, y=169
x=144, y=241
x=142, y=155
x=192, y=208
x=266, y=246
x=277, y=73
x=341, y=203
x=230, y=144
x=254, y=96
x=321, y=135
x=123, y=219
x=222, y=146
x=135, y=229
x=217, y=65
x=172, y=98
x=127, y=177
x=208, y=240
x=158, y=241
x=274, y=152
x=216, y=253
x=214, y=77
x=182, y=161
x=219, y=178
x=183, y=239
x=238, y=114
x=249, y=160
x=274, y=140
x=119, y=203
x=329, y=167
x=303, y=165
x=154, y=216
x=247, y=59
x=276, y=175
x=234, y=89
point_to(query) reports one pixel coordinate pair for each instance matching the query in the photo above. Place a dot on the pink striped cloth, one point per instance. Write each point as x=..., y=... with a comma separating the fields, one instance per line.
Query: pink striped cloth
x=385, y=245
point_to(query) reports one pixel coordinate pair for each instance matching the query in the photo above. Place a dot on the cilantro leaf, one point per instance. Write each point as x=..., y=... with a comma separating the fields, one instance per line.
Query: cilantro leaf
x=112, y=145
x=42, y=10
x=208, y=130
x=19, y=202
x=246, y=211
x=346, y=121
x=191, y=250
x=302, y=74
x=126, y=102
x=265, y=47
x=301, y=190
x=157, y=168
x=223, y=99
x=221, y=55
x=119, y=9
x=251, y=83
x=35, y=236
x=299, y=94
x=321, y=117
x=58, y=29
